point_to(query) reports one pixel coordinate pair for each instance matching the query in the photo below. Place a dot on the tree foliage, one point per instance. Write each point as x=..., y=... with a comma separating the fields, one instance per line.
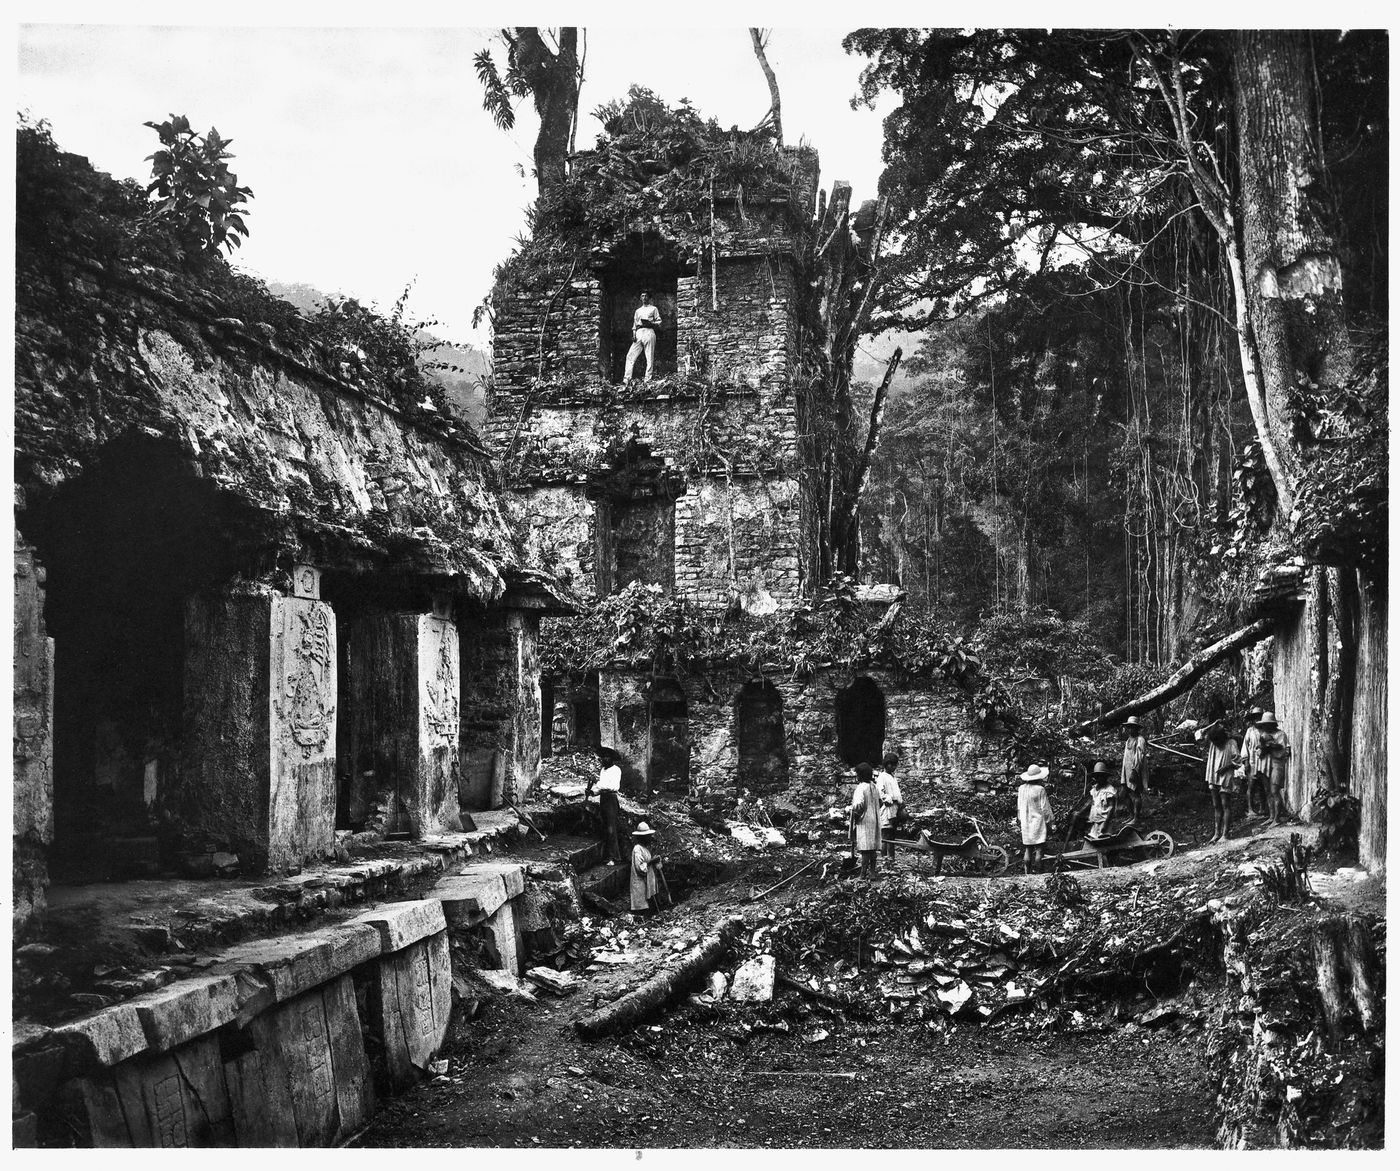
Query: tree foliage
x=194, y=193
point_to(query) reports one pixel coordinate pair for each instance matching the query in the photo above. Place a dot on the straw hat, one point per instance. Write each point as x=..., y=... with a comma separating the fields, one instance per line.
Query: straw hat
x=643, y=830
x=1133, y=722
x=1267, y=722
x=1100, y=769
x=1037, y=772
x=1254, y=713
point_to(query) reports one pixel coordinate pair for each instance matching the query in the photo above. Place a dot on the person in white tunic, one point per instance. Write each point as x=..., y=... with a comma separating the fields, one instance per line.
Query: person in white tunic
x=891, y=801
x=645, y=322
x=644, y=883
x=865, y=818
x=1036, y=817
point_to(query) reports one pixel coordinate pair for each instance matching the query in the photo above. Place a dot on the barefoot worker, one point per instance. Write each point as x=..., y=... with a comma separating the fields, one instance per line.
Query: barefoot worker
x=644, y=884
x=1103, y=800
x=1222, y=773
x=1036, y=817
x=865, y=818
x=1274, y=751
x=608, y=784
x=891, y=802
x=1135, y=767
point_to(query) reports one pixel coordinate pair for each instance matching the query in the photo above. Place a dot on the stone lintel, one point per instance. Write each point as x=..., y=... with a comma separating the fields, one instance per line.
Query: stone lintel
x=400, y=924
x=106, y=1037
x=180, y=1012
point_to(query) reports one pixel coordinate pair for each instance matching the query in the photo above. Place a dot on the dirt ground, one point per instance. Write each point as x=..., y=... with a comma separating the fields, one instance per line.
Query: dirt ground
x=529, y=1081
x=801, y=1075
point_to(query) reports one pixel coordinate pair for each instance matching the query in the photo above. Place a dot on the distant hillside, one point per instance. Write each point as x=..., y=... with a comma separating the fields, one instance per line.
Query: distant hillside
x=466, y=393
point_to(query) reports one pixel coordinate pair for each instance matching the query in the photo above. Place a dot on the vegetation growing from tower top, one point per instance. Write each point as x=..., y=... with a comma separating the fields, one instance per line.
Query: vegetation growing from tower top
x=651, y=160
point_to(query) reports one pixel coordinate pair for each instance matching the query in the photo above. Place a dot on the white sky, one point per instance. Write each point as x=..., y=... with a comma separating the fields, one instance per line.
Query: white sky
x=370, y=157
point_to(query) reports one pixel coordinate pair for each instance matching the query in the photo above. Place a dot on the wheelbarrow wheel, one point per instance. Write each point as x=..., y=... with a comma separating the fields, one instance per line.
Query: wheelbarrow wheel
x=1159, y=844
x=986, y=867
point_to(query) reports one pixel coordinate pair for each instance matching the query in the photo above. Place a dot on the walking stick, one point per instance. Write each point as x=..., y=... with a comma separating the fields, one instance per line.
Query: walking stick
x=666, y=886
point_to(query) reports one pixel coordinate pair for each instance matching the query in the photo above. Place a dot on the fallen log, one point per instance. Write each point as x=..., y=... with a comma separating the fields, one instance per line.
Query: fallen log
x=1182, y=678
x=815, y=993
x=650, y=997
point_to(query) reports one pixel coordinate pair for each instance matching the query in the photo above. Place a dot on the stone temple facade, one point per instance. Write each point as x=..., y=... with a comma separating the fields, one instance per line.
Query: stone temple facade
x=263, y=605
x=708, y=481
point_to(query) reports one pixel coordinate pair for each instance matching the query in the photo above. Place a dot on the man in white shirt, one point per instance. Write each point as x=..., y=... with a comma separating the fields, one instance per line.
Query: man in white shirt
x=645, y=322
x=891, y=800
x=608, y=784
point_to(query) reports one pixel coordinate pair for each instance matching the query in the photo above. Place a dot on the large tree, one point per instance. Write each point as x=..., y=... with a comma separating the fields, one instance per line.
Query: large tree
x=550, y=74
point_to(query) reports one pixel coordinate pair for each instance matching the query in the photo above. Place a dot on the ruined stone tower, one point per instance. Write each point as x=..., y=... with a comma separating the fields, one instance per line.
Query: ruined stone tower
x=693, y=481
x=717, y=481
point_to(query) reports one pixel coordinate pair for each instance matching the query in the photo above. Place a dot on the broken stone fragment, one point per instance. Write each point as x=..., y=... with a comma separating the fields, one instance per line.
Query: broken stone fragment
x=753, y=982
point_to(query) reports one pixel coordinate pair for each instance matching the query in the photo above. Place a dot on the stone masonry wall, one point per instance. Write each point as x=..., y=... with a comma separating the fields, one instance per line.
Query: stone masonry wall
x=33, y=741
x=930, y=727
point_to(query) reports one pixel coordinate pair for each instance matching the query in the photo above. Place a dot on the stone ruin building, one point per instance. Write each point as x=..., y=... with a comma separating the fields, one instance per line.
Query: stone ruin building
x=707, y=482
x=270, y=620
x=277, y=633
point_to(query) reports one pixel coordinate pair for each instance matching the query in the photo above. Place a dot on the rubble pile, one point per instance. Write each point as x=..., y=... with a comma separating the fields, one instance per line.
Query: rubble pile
x=921, y=948
x=1282, y=1080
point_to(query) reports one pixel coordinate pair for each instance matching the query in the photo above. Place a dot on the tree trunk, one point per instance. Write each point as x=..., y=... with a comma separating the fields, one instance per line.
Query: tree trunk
x=776, y=109
x=848, y=531
x=1292, y=267
x=652, y=996
x=553, y=81
x=1183, y=677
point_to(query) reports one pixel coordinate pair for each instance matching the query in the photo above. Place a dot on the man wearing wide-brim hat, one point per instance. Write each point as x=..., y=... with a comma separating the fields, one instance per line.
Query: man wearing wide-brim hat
x=644, y=881
x=1274, y=751
x=1035, y=815
x=1135, y=774
x=1256, y=796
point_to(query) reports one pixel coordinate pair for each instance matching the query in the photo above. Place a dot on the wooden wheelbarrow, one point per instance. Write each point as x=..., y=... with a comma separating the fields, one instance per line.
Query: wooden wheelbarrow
x=1127, y=840
x=976, y=855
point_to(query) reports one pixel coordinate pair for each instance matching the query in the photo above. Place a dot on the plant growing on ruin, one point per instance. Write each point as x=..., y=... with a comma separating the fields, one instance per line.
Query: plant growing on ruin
x=193, y=192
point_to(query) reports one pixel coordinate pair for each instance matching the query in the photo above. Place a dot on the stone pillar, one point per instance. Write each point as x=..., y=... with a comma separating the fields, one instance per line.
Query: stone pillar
x=260, y=713
x=523, y=702
x=33, y=741
x=405, y=705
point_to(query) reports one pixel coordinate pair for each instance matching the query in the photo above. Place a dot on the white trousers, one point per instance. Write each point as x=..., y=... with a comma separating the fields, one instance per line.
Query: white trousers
x=644, y=343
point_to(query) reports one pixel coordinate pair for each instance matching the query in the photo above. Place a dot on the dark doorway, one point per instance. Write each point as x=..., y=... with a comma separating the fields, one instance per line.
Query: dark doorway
x=546, y=716
x=584, y=701
x=670, y=738
x=647, y=265
x=763, y=763
x=124, y=544
x=860, y=722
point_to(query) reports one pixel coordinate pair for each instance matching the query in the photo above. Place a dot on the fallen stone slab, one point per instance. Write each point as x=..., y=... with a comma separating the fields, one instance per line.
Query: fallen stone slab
x=400, y=924
x=753, y=981
x=511, y=874
x=506, y=982
x=295, y=964
x=185, y=1010
x=107, y=1037
x=559, y=983
x=471, y=898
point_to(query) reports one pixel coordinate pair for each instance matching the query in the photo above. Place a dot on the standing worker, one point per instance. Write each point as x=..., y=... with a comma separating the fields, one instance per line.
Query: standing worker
x=1222, y=769
x=608, y=784
x=1135, y=766
x=644, y=881
x=865, y=818
x=1256, y=790
x=891, y=802
x=1035, y=815
x=1274, y=751
x=645, y=322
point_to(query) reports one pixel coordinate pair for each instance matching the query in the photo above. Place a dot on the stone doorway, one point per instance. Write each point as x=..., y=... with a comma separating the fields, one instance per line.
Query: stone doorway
x=669, y=740
x=860, y=722
x=763, y=763
x=123, y=546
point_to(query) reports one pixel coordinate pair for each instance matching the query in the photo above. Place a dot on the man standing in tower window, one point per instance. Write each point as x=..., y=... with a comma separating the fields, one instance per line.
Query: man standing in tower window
x=645, y=322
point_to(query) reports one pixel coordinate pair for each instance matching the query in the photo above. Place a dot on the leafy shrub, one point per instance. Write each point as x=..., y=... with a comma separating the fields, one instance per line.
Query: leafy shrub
x=196, y=195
